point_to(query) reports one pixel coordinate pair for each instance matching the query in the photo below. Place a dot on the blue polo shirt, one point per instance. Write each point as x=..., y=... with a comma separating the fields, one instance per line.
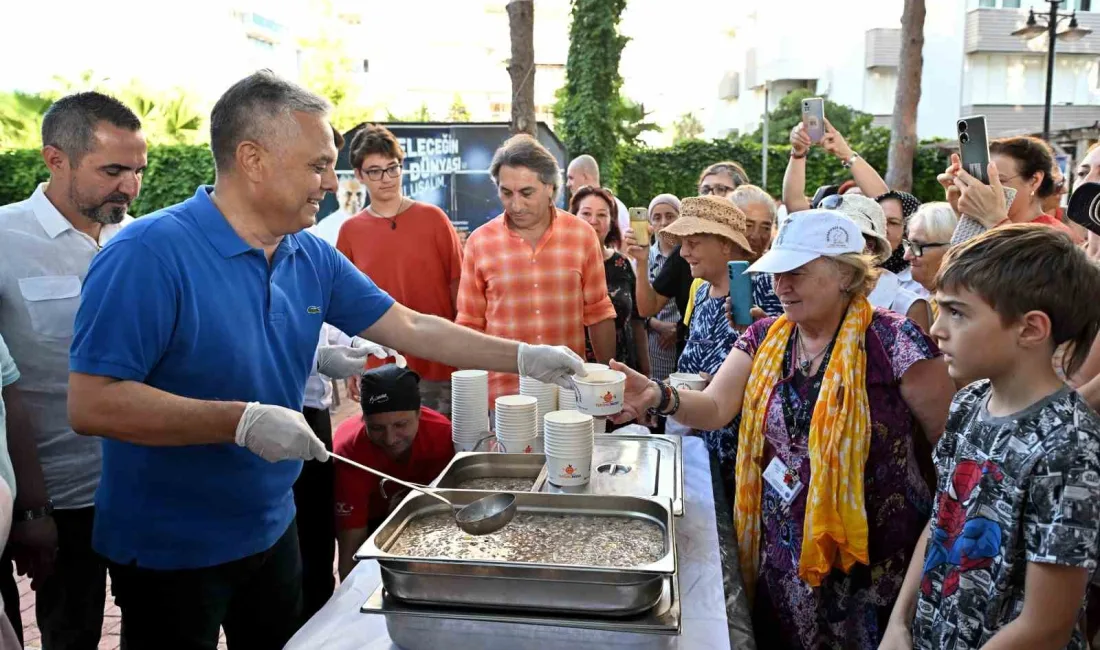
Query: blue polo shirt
x=180, y=302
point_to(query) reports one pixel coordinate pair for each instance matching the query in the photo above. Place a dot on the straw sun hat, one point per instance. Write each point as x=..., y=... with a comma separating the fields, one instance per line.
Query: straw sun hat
x=708, y=215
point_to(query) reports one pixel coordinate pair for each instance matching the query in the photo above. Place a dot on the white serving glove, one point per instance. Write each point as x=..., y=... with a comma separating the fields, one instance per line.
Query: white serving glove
x=379, y=351
x=341, y=361
x=550, y=364
x=276, y=433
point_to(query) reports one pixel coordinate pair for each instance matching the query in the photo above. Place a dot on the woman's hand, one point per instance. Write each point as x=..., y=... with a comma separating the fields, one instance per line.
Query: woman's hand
x=633, y=249
x=986, y=203
x=834, y=143
x=947, y=180
x=800, y=140
x=641, y=395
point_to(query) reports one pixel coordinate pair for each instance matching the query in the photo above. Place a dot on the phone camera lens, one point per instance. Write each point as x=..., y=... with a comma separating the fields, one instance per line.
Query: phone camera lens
x=962, y=126
x=964, y=138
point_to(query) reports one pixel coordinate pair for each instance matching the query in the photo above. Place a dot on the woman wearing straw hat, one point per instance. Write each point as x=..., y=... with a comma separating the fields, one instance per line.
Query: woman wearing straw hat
x=710, y=233
x=829, y=496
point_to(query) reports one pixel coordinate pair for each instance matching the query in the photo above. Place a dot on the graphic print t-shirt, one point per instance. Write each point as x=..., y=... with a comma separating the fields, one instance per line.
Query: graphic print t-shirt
x=1012, y=490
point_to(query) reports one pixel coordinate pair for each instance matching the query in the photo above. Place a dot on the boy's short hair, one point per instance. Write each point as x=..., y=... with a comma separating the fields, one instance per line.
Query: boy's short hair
x=1031, y=267
x=374, y=139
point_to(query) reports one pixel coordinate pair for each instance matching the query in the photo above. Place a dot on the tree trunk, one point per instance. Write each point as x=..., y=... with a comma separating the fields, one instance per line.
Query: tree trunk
x=903, y=131
x=521, y=25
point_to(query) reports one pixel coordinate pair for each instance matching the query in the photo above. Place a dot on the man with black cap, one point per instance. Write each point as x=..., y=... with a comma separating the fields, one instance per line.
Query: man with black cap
x=396, y=436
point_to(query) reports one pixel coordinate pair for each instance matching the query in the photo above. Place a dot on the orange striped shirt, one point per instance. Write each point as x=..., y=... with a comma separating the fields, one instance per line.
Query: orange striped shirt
x=546, y=295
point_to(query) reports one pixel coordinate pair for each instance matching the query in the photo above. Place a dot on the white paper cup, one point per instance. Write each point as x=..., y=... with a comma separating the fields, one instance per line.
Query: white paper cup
x=601, y=393
x=569, y=471
x=595, y=367
x=687, y=381
x=518, y=446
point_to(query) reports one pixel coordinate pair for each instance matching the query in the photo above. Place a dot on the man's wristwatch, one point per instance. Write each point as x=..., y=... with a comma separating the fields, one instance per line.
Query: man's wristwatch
x=847, y=164
x=34, y=513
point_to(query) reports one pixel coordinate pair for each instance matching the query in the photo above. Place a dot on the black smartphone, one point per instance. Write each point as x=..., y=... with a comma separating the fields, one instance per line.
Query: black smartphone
x=974, y=146
x=813, y=118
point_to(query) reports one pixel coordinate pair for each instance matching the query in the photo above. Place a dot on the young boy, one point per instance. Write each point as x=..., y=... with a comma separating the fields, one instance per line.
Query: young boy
x=1013, y=536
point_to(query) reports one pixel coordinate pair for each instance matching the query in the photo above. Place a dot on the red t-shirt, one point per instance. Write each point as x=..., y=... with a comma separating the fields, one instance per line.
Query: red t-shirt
x=416, y=262
x=358, y=500
x=1053, y=222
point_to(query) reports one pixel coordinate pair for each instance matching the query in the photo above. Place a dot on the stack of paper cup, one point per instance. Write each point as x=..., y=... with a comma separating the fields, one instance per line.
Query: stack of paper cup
x=546, y=394
x=516, y=418
x=469, y=408
x=567, y=399
x=568, y=444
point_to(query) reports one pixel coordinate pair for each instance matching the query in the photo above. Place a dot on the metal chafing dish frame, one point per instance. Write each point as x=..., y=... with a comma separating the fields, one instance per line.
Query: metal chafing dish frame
x=561, y=588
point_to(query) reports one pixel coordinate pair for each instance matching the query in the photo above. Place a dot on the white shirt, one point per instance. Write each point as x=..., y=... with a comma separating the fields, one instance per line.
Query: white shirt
x=907, y=282
x=328, y=228
x=319, y=387
x=889, y=294
x=43, y=262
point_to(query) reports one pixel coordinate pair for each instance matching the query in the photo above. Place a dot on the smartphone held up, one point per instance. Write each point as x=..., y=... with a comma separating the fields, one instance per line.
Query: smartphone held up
x=974, y=146
x=813, y=118
x=639, y=223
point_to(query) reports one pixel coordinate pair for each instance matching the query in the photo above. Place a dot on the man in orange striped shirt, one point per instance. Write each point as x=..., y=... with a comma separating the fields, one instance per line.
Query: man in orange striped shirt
x=534, y=273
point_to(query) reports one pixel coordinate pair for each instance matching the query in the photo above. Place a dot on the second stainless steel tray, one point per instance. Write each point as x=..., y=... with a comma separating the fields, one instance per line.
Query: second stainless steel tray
x=470, y=465
x=634, y=465
x=495, y=584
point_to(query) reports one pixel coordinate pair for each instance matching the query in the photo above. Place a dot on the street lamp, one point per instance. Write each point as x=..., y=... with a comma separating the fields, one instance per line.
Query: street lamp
x=1034, y=28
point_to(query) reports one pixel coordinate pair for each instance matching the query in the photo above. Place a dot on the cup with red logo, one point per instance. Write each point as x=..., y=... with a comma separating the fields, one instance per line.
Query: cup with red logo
x=567, y=443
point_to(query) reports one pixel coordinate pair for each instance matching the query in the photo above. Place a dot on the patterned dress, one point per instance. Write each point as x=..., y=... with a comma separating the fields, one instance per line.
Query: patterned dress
x=1012, y=490
x=620, y=288
x=763, y=294
x=710, y=341
x=847, y=610
x=662, y=361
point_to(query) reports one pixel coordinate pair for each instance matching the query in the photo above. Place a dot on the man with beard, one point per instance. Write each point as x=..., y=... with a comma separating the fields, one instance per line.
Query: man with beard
x=95, y=151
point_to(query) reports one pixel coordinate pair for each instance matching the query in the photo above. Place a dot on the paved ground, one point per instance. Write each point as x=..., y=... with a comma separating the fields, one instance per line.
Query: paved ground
x=111, y=616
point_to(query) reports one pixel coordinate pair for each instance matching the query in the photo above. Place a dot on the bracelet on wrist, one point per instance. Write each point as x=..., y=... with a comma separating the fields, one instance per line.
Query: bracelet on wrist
x=664, y=399
x=798, y=156
x=851, y=160
x=675, y=403
x=30, y=514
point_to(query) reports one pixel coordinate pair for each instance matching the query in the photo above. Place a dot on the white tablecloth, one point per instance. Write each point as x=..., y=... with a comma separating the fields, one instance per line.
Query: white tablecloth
x=341, y=626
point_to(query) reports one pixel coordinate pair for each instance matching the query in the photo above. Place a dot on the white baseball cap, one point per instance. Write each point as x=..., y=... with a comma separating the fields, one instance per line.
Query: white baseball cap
x=806, y=236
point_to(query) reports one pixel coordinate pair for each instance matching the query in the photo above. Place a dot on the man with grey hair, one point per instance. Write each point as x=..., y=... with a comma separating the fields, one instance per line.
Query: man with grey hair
x=535, y=273
x=95, y=152
x=584, y=170
x=197, y=330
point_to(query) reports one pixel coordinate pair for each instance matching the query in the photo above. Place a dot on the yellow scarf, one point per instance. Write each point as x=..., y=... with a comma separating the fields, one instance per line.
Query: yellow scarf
x=835, y=530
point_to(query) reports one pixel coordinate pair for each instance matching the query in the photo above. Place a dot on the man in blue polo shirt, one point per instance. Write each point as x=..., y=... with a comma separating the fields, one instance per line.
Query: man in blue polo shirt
x=194, y=339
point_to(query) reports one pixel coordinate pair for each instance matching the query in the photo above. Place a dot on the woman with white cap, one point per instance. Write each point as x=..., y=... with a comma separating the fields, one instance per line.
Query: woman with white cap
x=664, y=209
x=829, y=497
x=888, y=291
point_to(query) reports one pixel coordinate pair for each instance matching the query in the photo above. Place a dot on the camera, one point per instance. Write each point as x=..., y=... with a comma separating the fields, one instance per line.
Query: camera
x=964, y=138
x=962, y=126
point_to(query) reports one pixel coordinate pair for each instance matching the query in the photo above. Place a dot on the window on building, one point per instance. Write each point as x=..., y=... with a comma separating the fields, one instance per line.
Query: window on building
x=1084, y=5
x=987, y=4
x=261, y=45
x=1010, y=4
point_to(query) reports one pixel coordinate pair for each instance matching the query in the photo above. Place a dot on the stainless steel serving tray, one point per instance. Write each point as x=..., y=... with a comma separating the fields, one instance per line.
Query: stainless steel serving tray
x=417, y=626
x=561, y=588
x=470, y=465
x=634, y=465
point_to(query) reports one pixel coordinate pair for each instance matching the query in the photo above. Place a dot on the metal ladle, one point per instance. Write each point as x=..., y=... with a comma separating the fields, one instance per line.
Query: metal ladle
x=482, y=517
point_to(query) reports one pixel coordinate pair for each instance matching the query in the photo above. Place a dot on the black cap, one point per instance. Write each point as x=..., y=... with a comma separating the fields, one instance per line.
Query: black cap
x=388, y=388
x=1084, y=206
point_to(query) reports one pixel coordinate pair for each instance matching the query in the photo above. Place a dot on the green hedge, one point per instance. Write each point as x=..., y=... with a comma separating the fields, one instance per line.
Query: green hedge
x=173, y=174
x=643, y=173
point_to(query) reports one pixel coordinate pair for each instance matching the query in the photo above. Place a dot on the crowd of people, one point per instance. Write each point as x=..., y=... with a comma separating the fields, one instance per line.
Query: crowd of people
x=905, y=433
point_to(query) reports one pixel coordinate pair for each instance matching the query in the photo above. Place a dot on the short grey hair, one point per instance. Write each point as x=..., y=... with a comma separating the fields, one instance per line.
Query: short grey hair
x=746, y=195
x=70, y=122
x=587, y=165
x=524, y=151
x=939, y=220
x=250, y=108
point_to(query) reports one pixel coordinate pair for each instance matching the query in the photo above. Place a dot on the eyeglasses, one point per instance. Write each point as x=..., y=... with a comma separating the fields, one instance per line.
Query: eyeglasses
x=717, y=190
x=916, y=248
x=375, y=174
